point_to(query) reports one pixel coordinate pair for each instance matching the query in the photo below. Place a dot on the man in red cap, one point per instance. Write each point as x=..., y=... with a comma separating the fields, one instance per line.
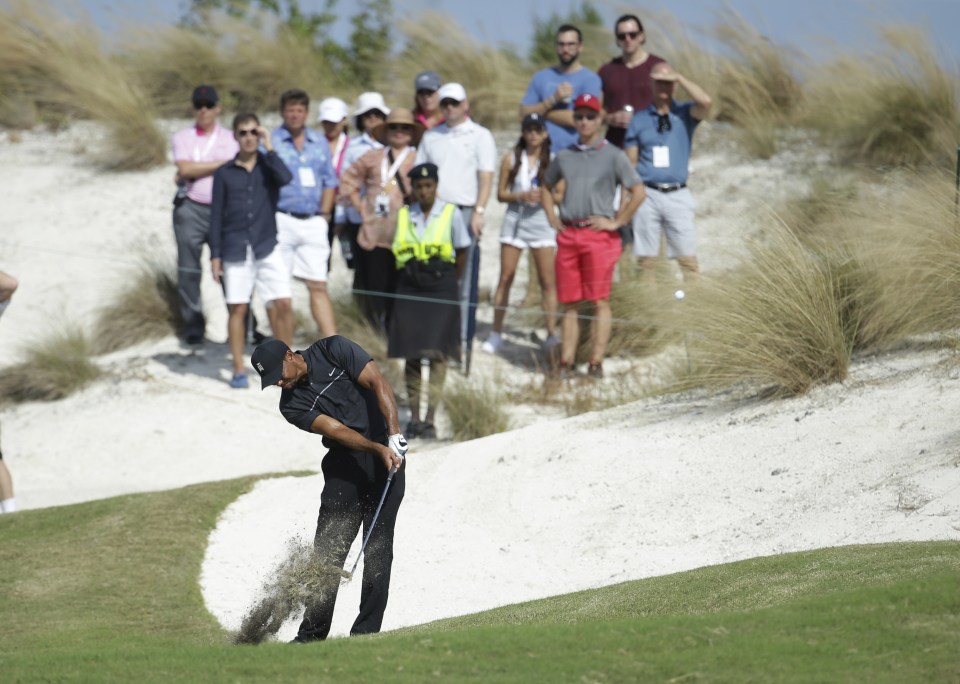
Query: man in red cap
x=588, y=244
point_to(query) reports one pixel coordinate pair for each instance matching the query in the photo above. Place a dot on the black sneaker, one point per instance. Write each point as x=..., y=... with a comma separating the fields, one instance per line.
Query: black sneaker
x=595, y=370
x=428, y=431
x=303, y=640
x=414, y=429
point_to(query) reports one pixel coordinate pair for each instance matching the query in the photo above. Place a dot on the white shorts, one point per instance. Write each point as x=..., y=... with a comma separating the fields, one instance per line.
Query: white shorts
x=305, y=246
x=269, y=274
x=671, y=212
x=527, y=227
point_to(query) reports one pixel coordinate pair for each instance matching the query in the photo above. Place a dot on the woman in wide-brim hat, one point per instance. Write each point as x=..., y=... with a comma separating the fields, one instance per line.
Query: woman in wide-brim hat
x=376, y=186
x=397, y=118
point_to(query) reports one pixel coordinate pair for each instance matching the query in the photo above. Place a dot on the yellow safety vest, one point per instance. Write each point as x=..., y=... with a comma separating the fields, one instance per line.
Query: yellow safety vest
x=437, y=239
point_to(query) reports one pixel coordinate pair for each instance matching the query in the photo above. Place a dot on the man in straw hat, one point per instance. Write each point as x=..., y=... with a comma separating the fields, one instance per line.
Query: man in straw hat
x=377, y=186
x=335, y=389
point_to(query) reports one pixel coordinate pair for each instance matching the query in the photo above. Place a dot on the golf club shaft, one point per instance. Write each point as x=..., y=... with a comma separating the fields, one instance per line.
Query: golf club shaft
x=373, y=522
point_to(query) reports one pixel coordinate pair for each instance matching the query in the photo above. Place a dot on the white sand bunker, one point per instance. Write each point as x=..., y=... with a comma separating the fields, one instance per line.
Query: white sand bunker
x=642, y=490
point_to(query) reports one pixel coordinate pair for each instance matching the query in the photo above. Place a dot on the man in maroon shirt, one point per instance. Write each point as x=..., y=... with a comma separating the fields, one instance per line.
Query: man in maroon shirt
x=626, y=79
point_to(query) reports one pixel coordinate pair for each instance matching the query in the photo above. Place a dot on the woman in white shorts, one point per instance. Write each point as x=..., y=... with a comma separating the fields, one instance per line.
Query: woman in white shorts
x=525, y=225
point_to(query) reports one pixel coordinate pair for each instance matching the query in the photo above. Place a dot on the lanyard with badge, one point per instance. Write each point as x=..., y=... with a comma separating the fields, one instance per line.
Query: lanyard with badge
x=382, y=201
x=661, y=153
x=307, y=178
x=211, y=141
x=339, y=153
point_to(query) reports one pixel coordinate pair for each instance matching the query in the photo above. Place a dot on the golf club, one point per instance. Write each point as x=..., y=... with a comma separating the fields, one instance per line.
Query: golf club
x=349, y=576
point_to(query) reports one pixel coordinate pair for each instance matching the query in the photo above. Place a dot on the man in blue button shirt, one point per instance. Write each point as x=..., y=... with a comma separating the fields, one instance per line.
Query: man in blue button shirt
x=658, y=142
x=306, y=204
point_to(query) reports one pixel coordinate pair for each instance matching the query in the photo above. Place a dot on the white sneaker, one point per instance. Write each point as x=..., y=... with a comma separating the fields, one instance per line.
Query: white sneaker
x=493, y=343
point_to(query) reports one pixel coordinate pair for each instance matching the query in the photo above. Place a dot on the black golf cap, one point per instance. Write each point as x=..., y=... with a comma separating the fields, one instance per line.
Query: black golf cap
x=533, y=119
x=205, y=95
x=267, y=360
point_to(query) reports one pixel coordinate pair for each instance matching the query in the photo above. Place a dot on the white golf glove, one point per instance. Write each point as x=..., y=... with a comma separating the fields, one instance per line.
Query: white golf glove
x=398, y=443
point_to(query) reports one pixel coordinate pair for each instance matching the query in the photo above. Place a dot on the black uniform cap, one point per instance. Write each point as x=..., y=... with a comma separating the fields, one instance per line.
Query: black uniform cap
x=425, y=170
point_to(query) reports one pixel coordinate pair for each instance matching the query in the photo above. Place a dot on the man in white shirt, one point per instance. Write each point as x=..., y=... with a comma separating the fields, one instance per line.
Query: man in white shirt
x=466, y=156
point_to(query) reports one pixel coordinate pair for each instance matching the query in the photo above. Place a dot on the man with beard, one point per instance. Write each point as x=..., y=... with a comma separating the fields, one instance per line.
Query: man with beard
x=552, y=91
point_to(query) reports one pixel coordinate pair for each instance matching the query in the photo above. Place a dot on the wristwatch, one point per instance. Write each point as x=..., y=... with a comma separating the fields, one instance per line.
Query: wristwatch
x=480, y=210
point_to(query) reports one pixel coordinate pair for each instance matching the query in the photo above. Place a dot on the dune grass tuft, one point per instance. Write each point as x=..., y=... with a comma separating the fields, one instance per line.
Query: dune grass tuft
x=475, y=410
x=300, y=579
x=777, y=321
x=896, y=107
x=59, y=63
x=249, y=65
x=50, y=369
x=907, y=240
x=145, y=307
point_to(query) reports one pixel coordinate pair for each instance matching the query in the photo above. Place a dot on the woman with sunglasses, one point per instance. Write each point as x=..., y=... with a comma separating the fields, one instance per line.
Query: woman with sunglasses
x=525, y=225
x=377, y=186
x=426, y=106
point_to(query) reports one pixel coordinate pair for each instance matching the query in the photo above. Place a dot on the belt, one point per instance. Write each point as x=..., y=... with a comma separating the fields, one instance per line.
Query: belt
x=578, y=223
x=295, y=215
x=666, y=187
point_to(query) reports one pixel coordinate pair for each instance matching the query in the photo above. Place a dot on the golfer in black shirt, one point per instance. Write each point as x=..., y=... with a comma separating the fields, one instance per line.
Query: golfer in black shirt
x=335, y=389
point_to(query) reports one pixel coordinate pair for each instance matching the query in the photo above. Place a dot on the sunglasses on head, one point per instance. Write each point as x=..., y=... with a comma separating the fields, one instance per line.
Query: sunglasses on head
x=628, y=34
x=588, y=117
x=448, y=102
x=206, y=104
x=244, y=132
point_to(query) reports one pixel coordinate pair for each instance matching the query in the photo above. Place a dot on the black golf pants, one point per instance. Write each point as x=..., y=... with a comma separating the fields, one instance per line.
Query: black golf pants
x=352, y=484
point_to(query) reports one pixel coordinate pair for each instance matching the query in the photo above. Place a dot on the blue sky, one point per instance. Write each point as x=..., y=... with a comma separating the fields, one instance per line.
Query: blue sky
x=811, y=25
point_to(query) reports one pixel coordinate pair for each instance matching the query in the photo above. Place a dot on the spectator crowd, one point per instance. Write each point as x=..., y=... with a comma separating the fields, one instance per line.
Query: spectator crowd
x=599, y=170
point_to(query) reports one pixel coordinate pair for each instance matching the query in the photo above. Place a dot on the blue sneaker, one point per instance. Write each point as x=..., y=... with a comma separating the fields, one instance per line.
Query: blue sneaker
x=240, y=381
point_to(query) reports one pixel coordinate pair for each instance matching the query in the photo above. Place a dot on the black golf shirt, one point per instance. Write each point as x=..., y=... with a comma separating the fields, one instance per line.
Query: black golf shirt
x=333, y=366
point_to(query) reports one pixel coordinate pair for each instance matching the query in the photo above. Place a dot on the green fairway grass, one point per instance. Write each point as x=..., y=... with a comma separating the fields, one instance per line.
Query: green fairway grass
x=108, y=591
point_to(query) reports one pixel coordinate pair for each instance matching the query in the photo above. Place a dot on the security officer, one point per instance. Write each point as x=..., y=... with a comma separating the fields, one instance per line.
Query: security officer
x=335, y=389
x=430, y=247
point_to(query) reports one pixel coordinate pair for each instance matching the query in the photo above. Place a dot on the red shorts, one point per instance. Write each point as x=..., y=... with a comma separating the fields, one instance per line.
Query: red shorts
x=585, y=263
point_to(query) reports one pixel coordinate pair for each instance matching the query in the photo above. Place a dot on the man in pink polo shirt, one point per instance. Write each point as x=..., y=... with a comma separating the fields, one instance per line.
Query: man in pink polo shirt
x=198, y=151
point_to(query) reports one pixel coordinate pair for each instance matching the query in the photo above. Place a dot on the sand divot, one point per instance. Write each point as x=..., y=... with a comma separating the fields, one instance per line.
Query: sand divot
x=299, y=580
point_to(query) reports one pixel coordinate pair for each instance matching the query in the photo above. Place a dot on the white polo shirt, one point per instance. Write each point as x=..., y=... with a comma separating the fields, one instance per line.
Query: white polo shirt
x=459, y=153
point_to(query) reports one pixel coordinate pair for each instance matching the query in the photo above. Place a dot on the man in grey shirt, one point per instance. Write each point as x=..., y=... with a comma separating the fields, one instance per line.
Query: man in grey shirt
x=588, y=244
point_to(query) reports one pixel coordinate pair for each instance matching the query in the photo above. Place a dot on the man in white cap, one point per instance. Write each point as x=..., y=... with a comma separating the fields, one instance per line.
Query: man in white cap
x=332, y=116
x=369, y=112
x=466, y=156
